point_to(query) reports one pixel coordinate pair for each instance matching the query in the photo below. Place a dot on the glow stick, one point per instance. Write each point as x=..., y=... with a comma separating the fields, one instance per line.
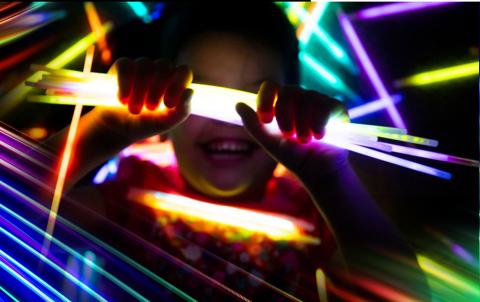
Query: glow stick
x=332, y=47
x=321, y=285
x=140, y=10
x=23, y=154
x=17, y=94
x=409, y=139
x=212, y=102
x=371, y=107
x=99, y=242
x=434, y=155
x=370, y=70
x=53, y=265
x=25, y=282
x=381, y=11
x=389, y=158
x=275, y=226
x=328, y=76
x=66, y=157
x=32, y=275
x=96, y=26
x=440, y=75
x=77, y=255
x=450, y=277
x=310, y=21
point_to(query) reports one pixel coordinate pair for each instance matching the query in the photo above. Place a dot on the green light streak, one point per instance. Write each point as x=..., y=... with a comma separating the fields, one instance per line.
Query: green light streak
x=440, y=75
x=328, y=77
x=332, y=47
x=449, y=277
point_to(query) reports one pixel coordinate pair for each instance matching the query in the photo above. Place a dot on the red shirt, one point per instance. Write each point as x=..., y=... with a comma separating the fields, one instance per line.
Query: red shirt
x=219, y=251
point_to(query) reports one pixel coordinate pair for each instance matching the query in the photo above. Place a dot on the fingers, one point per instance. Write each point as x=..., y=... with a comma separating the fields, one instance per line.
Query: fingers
x=267, y=95
x=161, y=80
x=303, y=113
x=181, y=79
x=124, y=69
x=254, y=127
x=285, y=110
x=181, y=110
x=146, y=83
x=144, y=70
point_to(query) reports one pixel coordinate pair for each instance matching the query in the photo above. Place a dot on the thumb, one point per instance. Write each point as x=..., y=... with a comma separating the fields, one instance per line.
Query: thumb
x=256, y=130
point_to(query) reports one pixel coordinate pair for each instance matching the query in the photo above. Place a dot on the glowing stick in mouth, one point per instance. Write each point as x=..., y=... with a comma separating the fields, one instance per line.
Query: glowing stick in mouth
x=70, y=87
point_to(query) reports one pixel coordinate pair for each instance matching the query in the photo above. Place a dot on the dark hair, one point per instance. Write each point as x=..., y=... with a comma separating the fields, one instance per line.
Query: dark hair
x=180, y=23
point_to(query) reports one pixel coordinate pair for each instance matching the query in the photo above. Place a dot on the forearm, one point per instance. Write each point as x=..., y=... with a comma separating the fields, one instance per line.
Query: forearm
x=93, y=145
x=370, y=244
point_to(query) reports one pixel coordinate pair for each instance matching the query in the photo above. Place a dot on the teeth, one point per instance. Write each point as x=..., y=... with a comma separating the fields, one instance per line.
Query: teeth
x=226, y=146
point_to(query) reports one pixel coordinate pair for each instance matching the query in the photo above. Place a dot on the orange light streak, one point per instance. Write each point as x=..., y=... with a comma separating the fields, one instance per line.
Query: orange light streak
x=97, y=28
x=72, y=131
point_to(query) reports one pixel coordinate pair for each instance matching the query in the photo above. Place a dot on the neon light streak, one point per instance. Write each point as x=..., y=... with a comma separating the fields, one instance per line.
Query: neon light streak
x=22, y=173
x=21, y=26
x=448, y=276
x=3, y=290
x=32, y=275
x=66, y=157
x=53, y=265
x=327, y=75
x=16, y=95
x=310, y=21
x=102, y=244
x=409, y=139
x=276, y=227
x=434, y=155
x=24, y=155
x=389, y=158
x=23, y=54
x=140, y=10
x=24, y=142
x=381, y=290
x=371, y=107
x=157, y=11
x=386, y=10
x=332, y=47
x=367, y=65
x=77, y=255
x=218, y=103
x=96, y=26
x=25, y=282
x=321, y=285
x=440, y=75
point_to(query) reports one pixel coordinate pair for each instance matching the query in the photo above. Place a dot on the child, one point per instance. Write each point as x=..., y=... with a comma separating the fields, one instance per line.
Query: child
x=252, y=49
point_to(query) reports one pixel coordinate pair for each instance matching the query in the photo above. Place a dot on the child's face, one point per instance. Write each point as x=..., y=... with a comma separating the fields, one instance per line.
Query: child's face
x=218, y=159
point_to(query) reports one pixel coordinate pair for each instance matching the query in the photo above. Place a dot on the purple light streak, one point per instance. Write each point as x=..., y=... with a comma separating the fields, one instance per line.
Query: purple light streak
x=371, y=107
x=370, y=70
x=381, y=11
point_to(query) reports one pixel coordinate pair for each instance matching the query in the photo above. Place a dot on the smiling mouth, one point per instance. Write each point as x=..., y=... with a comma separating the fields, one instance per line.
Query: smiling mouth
x=228, y=148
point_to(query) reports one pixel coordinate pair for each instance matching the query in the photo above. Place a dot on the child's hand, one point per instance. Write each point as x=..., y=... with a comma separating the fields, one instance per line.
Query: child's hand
x=143, y=85
x=299, y=112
